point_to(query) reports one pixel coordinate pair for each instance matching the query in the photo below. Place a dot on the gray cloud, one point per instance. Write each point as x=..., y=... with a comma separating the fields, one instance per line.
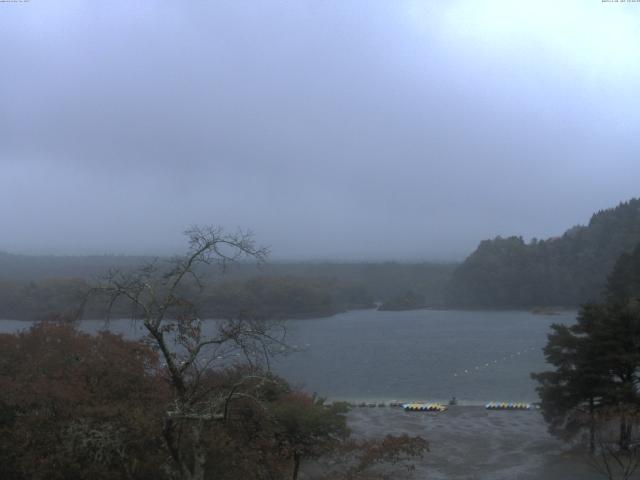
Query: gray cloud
x=332, y=129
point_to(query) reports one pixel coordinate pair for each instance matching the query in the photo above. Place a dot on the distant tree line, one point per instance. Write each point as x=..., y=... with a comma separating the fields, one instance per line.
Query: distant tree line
x=281, y=290
x=260, y=297
x=501, y=273
x=565, y=271
x=408, y=300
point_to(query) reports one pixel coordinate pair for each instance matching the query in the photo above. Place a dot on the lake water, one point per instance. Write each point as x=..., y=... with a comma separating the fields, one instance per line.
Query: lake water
x=431, y=355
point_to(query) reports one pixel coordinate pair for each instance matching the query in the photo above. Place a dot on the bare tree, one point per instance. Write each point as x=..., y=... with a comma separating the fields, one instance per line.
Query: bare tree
x=161, y=296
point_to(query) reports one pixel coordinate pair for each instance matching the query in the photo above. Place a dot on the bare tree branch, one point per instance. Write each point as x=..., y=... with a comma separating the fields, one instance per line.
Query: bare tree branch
x=155, y=294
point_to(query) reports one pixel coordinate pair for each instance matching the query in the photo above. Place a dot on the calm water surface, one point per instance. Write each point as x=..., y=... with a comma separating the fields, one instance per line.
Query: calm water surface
x=477, y=356
x=425, y=354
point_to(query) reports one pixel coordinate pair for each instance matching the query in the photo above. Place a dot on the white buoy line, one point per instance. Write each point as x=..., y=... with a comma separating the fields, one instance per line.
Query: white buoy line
x=486, y=365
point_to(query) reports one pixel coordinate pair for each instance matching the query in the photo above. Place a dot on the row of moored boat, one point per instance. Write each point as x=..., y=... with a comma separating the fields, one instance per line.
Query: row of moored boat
x=424, y=407
x=439, y=407
x=507, y=406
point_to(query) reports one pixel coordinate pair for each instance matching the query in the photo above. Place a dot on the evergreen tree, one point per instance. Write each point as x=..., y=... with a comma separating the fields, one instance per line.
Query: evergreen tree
x=624, y=282
x=597, y=360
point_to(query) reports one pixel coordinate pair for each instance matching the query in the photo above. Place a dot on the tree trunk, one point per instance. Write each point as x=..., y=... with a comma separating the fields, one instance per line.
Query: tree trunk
x=592, y=427
x=199, y=453
x=296, y=465
x=625, y=434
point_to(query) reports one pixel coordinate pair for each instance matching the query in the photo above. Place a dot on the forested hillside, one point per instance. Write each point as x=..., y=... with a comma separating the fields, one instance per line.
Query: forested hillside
x=33, y=287
x=560, y=271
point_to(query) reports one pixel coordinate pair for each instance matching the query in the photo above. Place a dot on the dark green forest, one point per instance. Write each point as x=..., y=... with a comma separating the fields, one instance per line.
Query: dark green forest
x=561, y=271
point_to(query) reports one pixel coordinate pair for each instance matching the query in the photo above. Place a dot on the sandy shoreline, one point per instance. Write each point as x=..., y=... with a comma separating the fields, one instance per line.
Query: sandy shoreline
x=469, y=442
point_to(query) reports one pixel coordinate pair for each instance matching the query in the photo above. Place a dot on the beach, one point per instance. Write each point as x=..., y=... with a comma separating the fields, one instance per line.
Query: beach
x=470, y=442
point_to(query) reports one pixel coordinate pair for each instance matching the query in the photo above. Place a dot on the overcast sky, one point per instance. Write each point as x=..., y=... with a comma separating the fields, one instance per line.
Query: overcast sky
x=332, y=129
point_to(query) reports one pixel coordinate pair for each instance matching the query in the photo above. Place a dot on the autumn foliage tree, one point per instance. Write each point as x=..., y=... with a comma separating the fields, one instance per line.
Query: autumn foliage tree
x=74, y=405
x=308, y=428
x=79, y=406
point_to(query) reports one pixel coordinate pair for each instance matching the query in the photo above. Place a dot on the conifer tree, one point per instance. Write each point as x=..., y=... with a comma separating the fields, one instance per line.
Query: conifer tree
x=597, y=361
